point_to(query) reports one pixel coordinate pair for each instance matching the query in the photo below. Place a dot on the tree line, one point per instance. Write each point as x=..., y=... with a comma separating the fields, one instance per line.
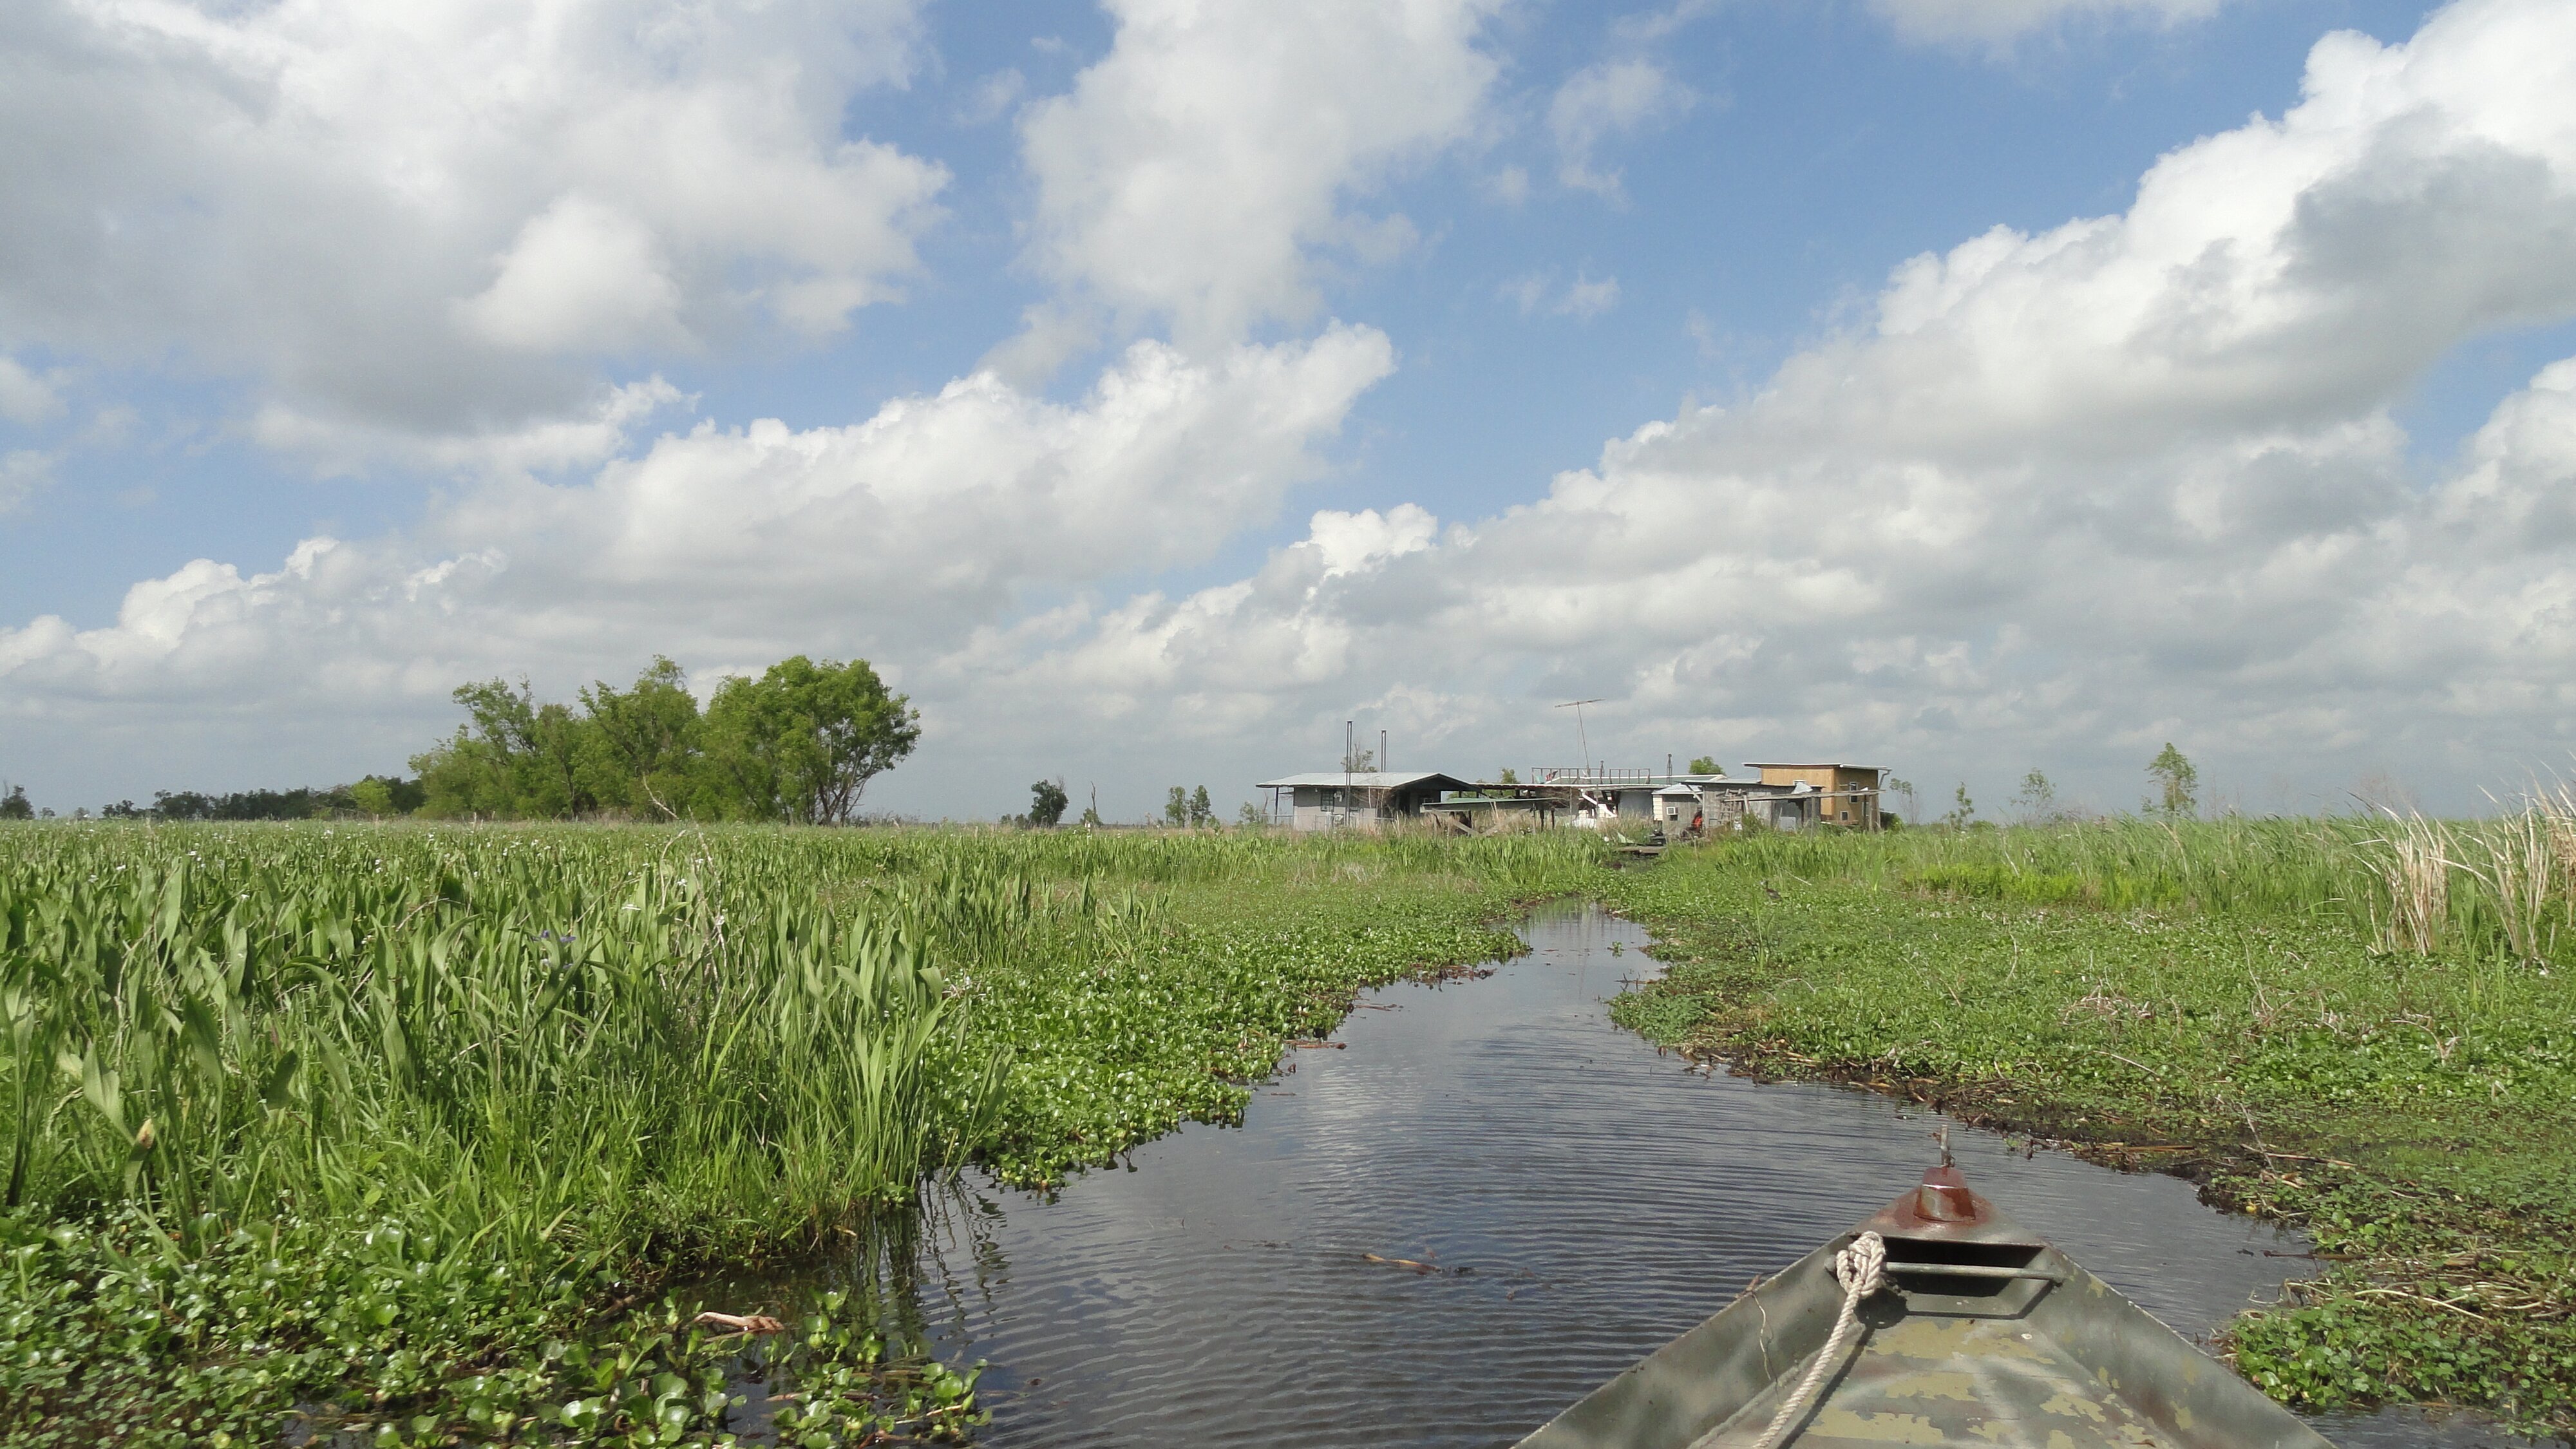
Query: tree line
x=374, y=795
x=797, y=744
x=1183, y=809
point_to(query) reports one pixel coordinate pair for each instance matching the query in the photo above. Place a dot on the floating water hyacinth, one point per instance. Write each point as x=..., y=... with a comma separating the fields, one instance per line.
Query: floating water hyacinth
x=568, y=1066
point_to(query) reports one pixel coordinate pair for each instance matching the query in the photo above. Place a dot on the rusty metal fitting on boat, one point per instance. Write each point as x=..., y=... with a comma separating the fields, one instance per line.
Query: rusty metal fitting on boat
x=1944, y=1209
x=1944, y=1197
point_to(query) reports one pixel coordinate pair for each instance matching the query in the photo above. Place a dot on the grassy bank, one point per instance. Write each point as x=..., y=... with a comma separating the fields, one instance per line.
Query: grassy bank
x=2367, y=1032
x=410, y=1130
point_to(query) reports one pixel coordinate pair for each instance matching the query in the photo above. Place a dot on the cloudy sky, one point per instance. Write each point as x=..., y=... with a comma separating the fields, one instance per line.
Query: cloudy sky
x=1961, y=386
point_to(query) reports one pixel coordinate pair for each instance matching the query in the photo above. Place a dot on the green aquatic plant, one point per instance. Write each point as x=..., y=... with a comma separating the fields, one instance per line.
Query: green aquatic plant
x=2332, y=1023
x=419, y=1128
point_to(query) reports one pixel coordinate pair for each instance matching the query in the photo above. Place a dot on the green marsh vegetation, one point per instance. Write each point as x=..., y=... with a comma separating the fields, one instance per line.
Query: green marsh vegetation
x=421, y=1133
x=2363, y=1027
x=428, y=1132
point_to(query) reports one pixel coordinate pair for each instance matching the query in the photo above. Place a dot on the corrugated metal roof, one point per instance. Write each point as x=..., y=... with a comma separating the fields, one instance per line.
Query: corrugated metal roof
x=1811, y=765
x=1366, y=780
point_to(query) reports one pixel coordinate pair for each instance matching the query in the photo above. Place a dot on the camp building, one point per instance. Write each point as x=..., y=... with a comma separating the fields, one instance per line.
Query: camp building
x=1827, y=794
x=1782, y=796
x=1331, y=798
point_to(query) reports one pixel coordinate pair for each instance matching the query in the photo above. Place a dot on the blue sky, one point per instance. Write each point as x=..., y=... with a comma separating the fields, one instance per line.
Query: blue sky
x=300, y=329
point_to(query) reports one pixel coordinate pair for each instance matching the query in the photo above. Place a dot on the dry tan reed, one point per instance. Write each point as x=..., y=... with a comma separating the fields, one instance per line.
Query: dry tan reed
x=2556, y=807
x=2518, y=868
x=2413, y=864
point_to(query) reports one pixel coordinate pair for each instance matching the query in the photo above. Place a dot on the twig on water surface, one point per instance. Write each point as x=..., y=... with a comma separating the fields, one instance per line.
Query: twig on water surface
x=2303, y=1157
x=2418, y=1297
x=741, y=1323
x=1402, y=1263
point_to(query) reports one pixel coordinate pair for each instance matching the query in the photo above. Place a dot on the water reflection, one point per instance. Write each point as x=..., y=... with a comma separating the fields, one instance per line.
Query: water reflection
x=1488, y=1203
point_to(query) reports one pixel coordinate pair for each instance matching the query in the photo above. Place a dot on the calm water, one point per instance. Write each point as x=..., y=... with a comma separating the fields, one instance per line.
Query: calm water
x=1578, y=1197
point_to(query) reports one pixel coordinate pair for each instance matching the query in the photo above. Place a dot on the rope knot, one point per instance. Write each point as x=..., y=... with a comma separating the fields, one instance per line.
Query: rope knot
x=1860, y=1267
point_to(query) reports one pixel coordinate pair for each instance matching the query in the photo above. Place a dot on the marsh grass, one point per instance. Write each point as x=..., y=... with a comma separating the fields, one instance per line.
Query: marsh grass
x=419, y=1125
x=2362, y=1027
x=2459, y=888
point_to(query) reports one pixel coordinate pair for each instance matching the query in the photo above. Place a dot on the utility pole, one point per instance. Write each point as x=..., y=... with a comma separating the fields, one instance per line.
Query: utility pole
x=1350, y=748
x=1377, y=797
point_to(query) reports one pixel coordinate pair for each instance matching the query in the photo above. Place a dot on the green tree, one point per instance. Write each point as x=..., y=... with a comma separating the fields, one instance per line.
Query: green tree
x=1360, y=762
x=1251, y=816
x=1703, y=765
x=1962, y=810
x=1176, y=807
x=373, y=797
x=2177, y=784
x=646, y=742
x=1202, y=809
x=1510, y=776
x=2038, y=797
x=513, y=757
x=408, y=795
x=14, y=806
x=801, y=742
x=1047, y=801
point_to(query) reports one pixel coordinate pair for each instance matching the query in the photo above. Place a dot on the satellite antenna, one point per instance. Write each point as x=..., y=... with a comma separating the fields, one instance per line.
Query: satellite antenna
x=1580, y=738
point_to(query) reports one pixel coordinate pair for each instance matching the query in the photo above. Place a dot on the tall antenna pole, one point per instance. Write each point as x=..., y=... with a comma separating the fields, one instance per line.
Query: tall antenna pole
x=1580, y=737
x=1381, y=750
x=1350, y=747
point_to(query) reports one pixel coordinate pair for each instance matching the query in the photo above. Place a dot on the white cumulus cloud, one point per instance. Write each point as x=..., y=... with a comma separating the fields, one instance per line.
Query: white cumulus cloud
x=580, y=276
x=2065, y=496
x=1192, y=175
x=895, y=538
x=433, y=218
x=2059, y=496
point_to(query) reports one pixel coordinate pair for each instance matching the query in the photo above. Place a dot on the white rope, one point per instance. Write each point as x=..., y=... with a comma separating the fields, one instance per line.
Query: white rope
x=1858, y=1268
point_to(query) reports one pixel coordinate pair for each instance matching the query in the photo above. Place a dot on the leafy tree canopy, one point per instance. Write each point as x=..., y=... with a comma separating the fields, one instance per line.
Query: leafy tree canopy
x=2177, y=784
x=1047, y=801
x=2038, y=795
x=799, y=743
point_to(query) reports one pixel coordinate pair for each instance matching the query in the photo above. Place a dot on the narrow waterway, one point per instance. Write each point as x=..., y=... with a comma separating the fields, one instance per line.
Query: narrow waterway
x=1479, y=1203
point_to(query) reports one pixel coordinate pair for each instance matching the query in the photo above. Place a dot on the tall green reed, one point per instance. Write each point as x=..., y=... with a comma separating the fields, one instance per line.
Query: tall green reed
x=626, y=1042
x=2416, y=886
